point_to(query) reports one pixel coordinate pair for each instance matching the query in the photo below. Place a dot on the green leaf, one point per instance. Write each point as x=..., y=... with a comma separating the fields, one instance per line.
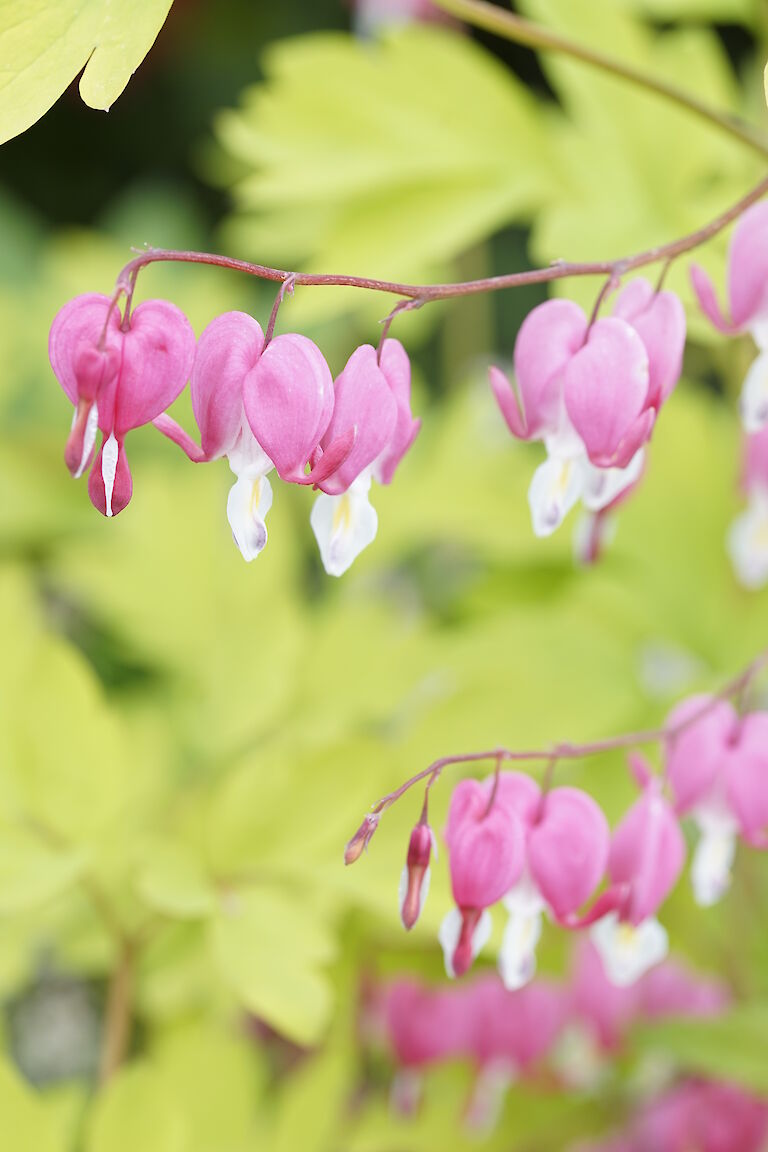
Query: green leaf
x=32, y=873
x=136, y=1112
x=730, y=1047
x=173, y=881
x=271, y=948
x=372, y=158
x=45, y=43
x=27, y=1123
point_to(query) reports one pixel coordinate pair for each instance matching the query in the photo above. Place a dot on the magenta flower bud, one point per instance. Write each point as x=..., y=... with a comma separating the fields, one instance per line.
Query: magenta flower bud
x=414, y=884
x=361, y=838
x=695, y=755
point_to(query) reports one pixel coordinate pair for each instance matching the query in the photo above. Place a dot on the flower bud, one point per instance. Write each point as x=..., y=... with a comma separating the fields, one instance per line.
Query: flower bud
x=414, y=884
x=361, y=838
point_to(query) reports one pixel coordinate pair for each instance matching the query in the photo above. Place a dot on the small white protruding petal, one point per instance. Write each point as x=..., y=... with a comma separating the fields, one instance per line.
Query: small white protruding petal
x=747, y=542
x=759, y=331
x=89, y=437
x=450, y=931
x=488, y=1093
x=109, y=454
x=402, y=890
x=713, y=856
x=555, y=487
x=249, y=500
x=344, y=525
x=517, y=955
x=627, y=950
x=753, y=404
x=603, y=485
x=578, y=1058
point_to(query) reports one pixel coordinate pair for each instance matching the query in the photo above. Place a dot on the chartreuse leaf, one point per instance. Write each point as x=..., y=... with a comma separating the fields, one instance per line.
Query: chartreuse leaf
x=215, y=1075
x=45, y=43
x=31, y=872
x=372, y=159
x=271, y=948
x=135, y=1111
x=727, y=11
x=729, y=1047
x=172, y=880
x=29, y=1126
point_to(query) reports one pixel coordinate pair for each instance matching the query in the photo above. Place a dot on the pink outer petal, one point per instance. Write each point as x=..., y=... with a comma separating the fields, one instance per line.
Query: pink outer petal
x=670, y=989
x=364, y=403
x=158, y=354
x=123, y=487
x=226, y=352
x=606, y=391
x=756, y=460
x=636, y=436
x=747, y=778
x=288, y=400
x=748, y=265
x=486, y=854
x=605, y=1008
x=697, y=756
x=548, y=338
x=647, y=854
x=707, y=297
x=426, y=1025
x=568, y=849
x=516, y=792
x=520, y=1026
x=397, y=371
x=659, y=320
x=76, y=327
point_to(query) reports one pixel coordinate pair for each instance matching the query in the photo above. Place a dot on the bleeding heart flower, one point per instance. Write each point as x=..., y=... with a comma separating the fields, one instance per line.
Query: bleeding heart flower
x=645, y=860
x=566, y=853
x=118, y=379
x=228, y=349
x=486, y=855
x=372, y=407
x=748, y=300
x=747, y=538
x=659, y=320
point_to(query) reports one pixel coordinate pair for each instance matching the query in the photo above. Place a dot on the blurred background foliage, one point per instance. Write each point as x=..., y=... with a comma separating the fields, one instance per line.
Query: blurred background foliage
x=186, y=742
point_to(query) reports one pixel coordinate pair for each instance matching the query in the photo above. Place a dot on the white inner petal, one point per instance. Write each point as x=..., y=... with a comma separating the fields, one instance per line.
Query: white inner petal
x=747, y=542
x=109, y=454
x=450, y=931
x=754, y=395
x=89, y=437
x=603, y=485
x=627, y=951
x=517, y=955
x=713, y=855
x=555, y=487
x=344, y=525
x=249, y=500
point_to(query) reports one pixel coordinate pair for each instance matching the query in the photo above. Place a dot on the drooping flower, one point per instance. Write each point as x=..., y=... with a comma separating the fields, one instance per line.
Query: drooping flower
x=645, y=860
x=118, y=378
x=747, y=539
x=486, y=855
x=591, y=394
x=705, y=1115
x=566, y=853
x=716, y=765
x=373, y=401
x=228, y=349
x=748, y=303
